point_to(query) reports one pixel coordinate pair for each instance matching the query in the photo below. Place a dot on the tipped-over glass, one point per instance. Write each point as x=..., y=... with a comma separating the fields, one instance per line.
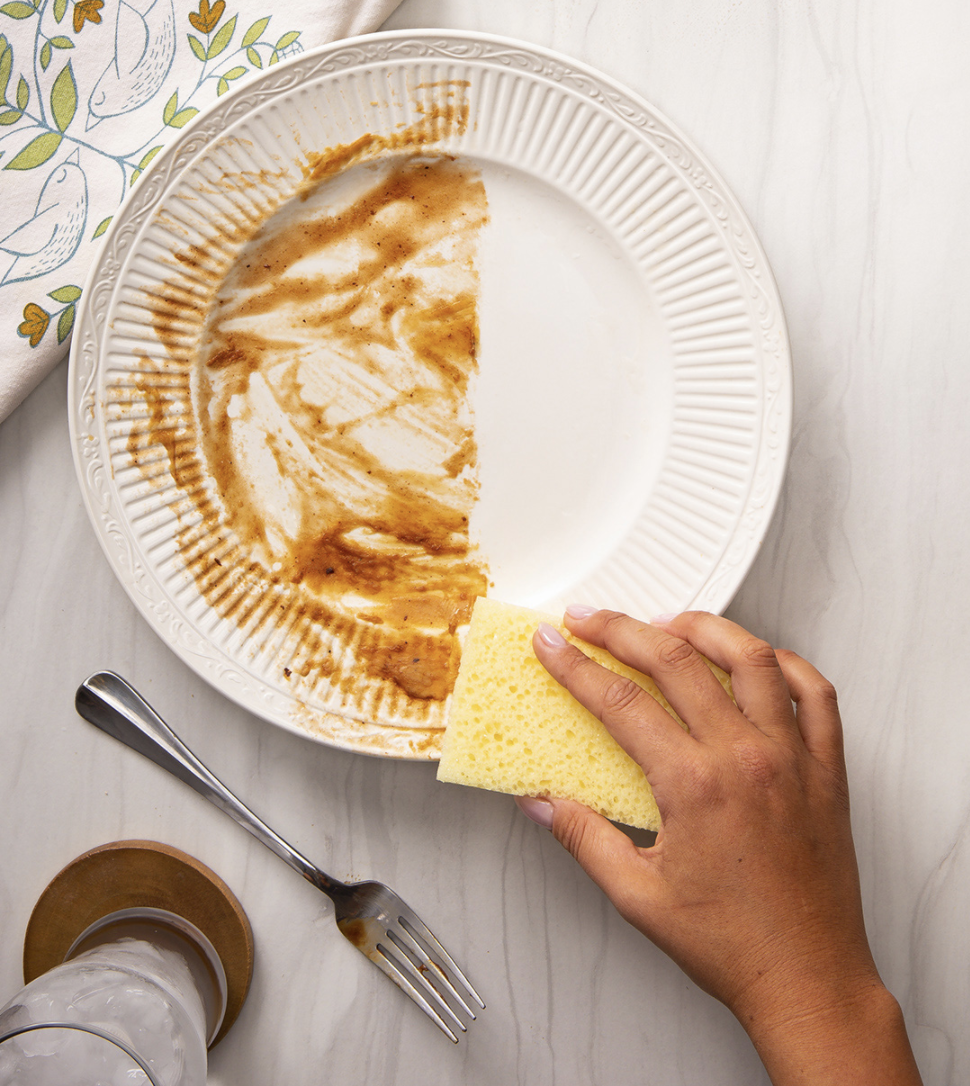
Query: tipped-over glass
x=138, y=999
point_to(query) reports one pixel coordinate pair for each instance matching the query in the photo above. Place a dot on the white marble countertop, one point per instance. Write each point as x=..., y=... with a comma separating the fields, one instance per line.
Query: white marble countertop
x=841, y=125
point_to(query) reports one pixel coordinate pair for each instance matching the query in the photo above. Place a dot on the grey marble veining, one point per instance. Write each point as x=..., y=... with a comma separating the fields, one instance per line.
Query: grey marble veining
x=842, y=127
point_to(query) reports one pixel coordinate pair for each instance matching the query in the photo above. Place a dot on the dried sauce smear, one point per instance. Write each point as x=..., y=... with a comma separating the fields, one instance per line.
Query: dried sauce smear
x=332, y=390
x=329, y=465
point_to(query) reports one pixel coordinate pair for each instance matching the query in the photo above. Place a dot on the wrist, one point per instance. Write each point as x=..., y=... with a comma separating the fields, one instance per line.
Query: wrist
x=853, y=1034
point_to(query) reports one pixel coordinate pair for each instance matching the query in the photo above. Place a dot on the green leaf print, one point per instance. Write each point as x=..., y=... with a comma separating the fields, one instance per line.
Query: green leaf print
x=288, y=39
x=252, y=34
x=145, y=159
x=148, y=156
x=60, y=9
x=6, y=64
x=64, y=97
x=23, y=94
x=65, y=323
x=62, y=43
x=222, y=38
x=254, y=58
x=65, y=295
x=11, y=116
x=182, y=118
x=102, y=226
x=36, y=153
x=197, y=47
x=45, y=55
x=170, y=108
x=18, y=10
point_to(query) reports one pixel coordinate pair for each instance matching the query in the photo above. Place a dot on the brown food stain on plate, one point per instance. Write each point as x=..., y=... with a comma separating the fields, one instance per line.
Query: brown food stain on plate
x=312, y=409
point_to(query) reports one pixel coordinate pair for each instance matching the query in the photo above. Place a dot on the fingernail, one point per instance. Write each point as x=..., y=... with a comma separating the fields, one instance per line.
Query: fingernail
x=551, y=636
x=539, y=810
x=580, y=610
x=662, y=620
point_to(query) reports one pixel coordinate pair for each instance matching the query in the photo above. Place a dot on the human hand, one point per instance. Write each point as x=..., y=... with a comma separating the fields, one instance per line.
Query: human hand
x=752, y=885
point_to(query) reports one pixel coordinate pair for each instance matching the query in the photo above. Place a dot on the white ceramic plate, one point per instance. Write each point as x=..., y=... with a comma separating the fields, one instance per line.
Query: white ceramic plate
x=633, y=407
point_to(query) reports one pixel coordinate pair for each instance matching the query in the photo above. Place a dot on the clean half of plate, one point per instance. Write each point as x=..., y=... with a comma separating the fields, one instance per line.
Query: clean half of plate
x=410, y=319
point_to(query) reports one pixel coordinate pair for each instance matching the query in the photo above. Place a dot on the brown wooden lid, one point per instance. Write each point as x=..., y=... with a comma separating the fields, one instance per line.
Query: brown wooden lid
x=141, y=874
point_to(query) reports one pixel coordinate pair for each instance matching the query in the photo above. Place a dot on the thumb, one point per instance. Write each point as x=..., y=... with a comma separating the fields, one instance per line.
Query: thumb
x=604, y=852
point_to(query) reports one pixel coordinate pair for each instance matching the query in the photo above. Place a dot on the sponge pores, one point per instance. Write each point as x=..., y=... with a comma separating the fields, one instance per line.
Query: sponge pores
x=512, y=728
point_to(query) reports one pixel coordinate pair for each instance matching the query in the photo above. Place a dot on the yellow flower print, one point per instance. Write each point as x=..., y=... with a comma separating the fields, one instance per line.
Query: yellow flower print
x=35, y=323
x=89, y=10
x=207, y=17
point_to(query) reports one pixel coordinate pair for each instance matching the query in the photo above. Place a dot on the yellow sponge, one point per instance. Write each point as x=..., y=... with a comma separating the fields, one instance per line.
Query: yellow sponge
x=512, y=728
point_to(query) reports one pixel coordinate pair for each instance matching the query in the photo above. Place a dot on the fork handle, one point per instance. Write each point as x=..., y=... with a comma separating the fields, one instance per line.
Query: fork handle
x=112, y=705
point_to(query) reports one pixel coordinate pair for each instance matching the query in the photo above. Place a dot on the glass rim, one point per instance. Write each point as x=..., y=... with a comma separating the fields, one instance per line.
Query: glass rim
x=183, y=927
x=79, y=1027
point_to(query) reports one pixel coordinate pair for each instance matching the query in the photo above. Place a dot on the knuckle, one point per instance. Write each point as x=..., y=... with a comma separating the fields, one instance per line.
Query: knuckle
x=621, y=694
x=572, y=663
x=613, y=618
x=616, y=625
x=758, y=653
x=757, y=762
x=825, y=693
x=703, y=780
x=675, y=654
x=570, y=830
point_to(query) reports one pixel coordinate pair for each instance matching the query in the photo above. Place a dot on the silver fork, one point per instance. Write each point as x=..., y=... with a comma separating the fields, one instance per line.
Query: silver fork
x=369, y=914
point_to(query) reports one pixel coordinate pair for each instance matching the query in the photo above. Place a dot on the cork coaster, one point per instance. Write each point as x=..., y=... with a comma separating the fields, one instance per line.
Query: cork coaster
x=141, y=874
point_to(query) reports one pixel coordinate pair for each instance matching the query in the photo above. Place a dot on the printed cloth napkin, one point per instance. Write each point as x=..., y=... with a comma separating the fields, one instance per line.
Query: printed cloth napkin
x=90, y=91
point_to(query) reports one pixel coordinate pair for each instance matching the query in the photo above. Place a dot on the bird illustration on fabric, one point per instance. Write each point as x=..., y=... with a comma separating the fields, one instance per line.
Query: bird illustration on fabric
x=144, y=51
x=51, y=236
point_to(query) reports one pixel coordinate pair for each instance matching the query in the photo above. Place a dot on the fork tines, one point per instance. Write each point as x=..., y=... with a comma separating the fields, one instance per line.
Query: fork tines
x=421, y=966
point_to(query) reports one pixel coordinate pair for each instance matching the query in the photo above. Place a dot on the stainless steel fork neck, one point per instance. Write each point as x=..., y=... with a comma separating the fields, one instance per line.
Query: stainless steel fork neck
x=333, y=888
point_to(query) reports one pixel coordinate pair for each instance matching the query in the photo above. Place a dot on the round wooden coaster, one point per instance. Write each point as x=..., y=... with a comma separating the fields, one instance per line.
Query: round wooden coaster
x=140, y=874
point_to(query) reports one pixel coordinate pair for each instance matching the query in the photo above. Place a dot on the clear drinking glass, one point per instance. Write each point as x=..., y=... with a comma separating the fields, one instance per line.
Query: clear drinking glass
x=140, y=995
